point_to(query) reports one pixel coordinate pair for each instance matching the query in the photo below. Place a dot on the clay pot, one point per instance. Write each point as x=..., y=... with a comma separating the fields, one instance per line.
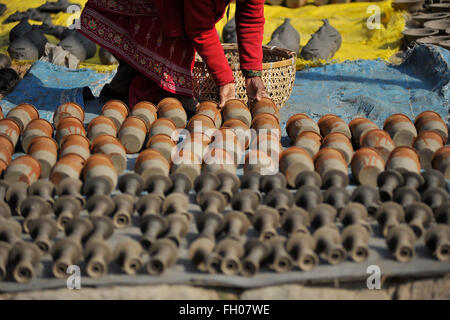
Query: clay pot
x=23, y=169
x=203, y=124
x=266, y=122
x=196, y=142
x=331, y=123
x=151, y=162
x=68, y=126
x=77, y=144
x=265, y=105
x=226, y=139
x=340, y=142
x=236, y=109
x=164, y=144
x=167, y=102
x=366, y=165
x=69, y=166
x=71, y=108
x=441, y=161
x=174, y=112
x=146, y=111
x=401, y=129
x=188, y=163
x=217, y=159
x=132, y=134
x=1, y=113
x=431, y=121
x=6, y=149
x=240, y=129
x=116, y=110
x=23, y=114
x=111, y=147
x=426, y=144
x=257, y=161
x=45, y=150
x=310, y=141
x=10, y=129
x=100, y=165
x=164, y=126
x=404, y=158
x=330, y=160
x=101, y=125
x=380, y=140
x=358, y=127
x=210, y=109
x=36, y=128
x=293, y=161
x=299, y=123
x=269, y=143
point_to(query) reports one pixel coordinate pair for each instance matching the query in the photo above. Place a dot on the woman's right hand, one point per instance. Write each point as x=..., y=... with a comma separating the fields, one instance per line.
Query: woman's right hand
x=226, y=92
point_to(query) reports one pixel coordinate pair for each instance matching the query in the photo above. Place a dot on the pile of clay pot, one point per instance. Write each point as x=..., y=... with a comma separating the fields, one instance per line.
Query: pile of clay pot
x=407, y=202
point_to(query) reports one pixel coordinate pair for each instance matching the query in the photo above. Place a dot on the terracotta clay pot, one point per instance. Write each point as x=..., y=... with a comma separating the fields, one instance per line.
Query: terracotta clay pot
x=226, y=139
x=112, y=147
x=404, y=158
x=293, y=161
x=3, y=166
x=146, y=111
x=331, y=123
x=77, y=144
x=196, y=142
x=6, y=149
x=340, y=142
x=380, y=140
x=100, y=165
x=240, y=129
x=260, y=162
x=366, y=165
x=101, y=125
x=174, y=112
x=266, y=122
x=441, y=161
x=201, y=123
x=401, y=129
x=358, y=127
x=330, y=160
x=36, y=128
x=116, y=110
x=69, y=166
x=45, y=150
x=236, y=109
x=299, y=123
x=431, y=121
x=210, y=109
x=23, y=169
x=10, y=129
x=167, y=102
x=426, y=144
x=188, y=163
x=164, y=144
x=310, y=141
x=265, y=105
x=23, y=114
x=269, y=143
x=70, y=108
x=164, y=126
x=132, y=134
x=68, y=126
x=217, y=159
x=151, y=162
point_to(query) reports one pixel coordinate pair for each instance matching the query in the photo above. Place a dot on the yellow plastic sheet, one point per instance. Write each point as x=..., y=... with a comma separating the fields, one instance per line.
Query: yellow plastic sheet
x=358, y=41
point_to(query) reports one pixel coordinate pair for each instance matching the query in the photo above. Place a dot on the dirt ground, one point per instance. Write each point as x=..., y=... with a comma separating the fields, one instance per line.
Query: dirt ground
x=432, y=288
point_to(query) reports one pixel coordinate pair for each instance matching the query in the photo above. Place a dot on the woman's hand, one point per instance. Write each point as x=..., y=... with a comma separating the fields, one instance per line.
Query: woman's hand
x=255, y=89
x=227, y=92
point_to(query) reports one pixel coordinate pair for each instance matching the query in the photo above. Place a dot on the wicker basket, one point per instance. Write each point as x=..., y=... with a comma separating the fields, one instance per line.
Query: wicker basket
x=279, y=67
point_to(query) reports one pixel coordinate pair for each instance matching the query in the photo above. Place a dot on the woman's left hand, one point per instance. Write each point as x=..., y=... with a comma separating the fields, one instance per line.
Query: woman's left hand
x=255, y=89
